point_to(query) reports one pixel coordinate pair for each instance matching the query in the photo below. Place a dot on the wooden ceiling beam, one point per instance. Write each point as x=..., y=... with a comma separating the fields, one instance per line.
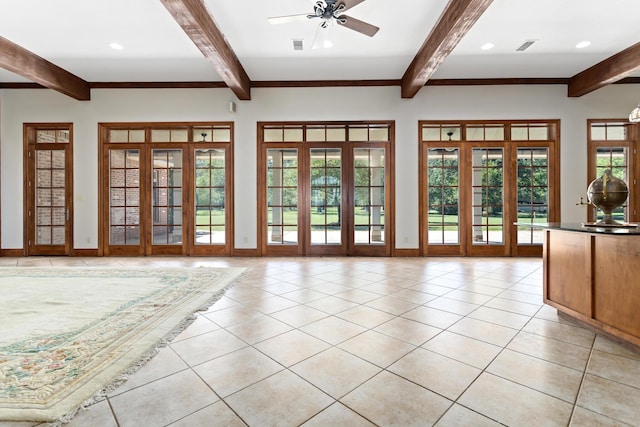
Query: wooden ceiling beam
x=455, y=21
x=197, y=22
x=27, y=64
x=617, y=67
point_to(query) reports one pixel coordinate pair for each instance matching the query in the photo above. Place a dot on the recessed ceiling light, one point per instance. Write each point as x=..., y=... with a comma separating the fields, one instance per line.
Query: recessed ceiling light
x=116, y=46
x=487, y=46
x=583, y=44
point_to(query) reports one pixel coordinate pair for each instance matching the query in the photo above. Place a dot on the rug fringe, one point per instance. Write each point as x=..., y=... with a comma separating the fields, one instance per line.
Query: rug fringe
x=164, y=342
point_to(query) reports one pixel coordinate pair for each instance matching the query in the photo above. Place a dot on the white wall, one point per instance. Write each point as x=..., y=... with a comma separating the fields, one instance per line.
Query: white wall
x=308, y=104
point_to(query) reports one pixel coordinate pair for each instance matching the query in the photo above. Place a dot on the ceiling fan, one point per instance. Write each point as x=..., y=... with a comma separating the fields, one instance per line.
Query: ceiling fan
x=330, y=11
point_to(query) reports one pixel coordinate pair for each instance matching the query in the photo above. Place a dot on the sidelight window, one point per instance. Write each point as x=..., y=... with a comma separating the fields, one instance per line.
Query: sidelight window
x=282, y=196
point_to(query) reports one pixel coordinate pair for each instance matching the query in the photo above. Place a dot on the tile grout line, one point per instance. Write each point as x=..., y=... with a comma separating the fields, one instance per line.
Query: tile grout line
x=584, y=374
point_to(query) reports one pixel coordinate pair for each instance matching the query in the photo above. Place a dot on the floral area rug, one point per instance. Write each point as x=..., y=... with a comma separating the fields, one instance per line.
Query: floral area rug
x=67, y=335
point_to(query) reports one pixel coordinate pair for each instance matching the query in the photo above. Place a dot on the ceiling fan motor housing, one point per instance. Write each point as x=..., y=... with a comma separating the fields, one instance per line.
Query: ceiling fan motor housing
x=330, y=11
x=327, y=10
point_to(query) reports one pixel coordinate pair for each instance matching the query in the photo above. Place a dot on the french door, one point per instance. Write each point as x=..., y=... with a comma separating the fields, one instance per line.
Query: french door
x=465, y=190
x=478, y=179
x=48, y=189
x=326, y=190
x=166, y=189
x=326, y=232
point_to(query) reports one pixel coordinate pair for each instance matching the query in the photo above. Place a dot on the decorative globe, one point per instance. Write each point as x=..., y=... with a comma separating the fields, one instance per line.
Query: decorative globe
x=607, y=193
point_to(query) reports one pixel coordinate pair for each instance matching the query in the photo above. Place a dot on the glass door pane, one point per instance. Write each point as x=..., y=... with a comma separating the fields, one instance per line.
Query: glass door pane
x=50, y=197
x=487, y=196
x=326, y=196
x=282, y=197
x=443, y=213
x=533, y=193
x=167, y=197
x=209, y=211
x=615, y=159
x=369, y=196
x=124, y=197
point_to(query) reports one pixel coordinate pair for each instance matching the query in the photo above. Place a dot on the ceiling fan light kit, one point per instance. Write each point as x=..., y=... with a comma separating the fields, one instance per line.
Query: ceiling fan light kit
x=330, y=12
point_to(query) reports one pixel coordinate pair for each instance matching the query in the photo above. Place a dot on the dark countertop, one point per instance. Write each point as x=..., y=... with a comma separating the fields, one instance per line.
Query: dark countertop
x=580, y=227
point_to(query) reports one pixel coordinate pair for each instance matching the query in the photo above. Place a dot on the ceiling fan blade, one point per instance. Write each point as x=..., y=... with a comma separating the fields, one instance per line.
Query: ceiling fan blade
x=288, y=18
x=357, y=25
x=316, y=40
x=348, y=4
x=322, y=39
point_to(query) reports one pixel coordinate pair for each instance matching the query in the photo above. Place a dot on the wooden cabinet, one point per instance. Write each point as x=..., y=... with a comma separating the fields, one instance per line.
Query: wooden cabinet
x=617, y=283
x=594, y=277
x=569, y=274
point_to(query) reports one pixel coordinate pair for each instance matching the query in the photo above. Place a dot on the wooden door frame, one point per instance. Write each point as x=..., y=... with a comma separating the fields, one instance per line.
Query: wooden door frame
x=303, y=197
x=29, y=148
x=145, y=148
x=510, y=165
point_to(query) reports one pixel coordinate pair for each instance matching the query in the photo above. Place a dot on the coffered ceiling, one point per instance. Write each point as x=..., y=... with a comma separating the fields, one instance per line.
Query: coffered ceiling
x=418, y=41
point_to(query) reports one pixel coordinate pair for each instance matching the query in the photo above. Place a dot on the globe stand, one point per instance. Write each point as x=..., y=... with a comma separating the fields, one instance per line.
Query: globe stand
x=608, y=220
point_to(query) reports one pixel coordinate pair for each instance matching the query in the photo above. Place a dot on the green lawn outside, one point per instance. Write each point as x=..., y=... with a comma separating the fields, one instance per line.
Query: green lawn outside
x=216, y=216
x=328, y=216
x=451, y=221
x=204, y=218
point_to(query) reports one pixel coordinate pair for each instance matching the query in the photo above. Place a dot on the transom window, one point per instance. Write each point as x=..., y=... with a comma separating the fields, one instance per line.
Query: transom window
x=325, y=133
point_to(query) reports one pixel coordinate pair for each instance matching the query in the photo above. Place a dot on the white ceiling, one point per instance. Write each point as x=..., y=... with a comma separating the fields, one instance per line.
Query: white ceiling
x=75, y=35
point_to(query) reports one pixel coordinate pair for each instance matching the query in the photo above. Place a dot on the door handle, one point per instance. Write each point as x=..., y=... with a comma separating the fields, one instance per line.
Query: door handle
x=66, y=215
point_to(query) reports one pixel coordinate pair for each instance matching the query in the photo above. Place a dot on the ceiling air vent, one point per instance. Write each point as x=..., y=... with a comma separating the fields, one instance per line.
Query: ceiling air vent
x=526, y=45
x=297, y=44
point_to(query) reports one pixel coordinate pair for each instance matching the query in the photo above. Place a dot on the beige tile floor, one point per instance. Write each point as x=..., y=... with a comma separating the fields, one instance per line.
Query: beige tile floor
x=374, y=341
